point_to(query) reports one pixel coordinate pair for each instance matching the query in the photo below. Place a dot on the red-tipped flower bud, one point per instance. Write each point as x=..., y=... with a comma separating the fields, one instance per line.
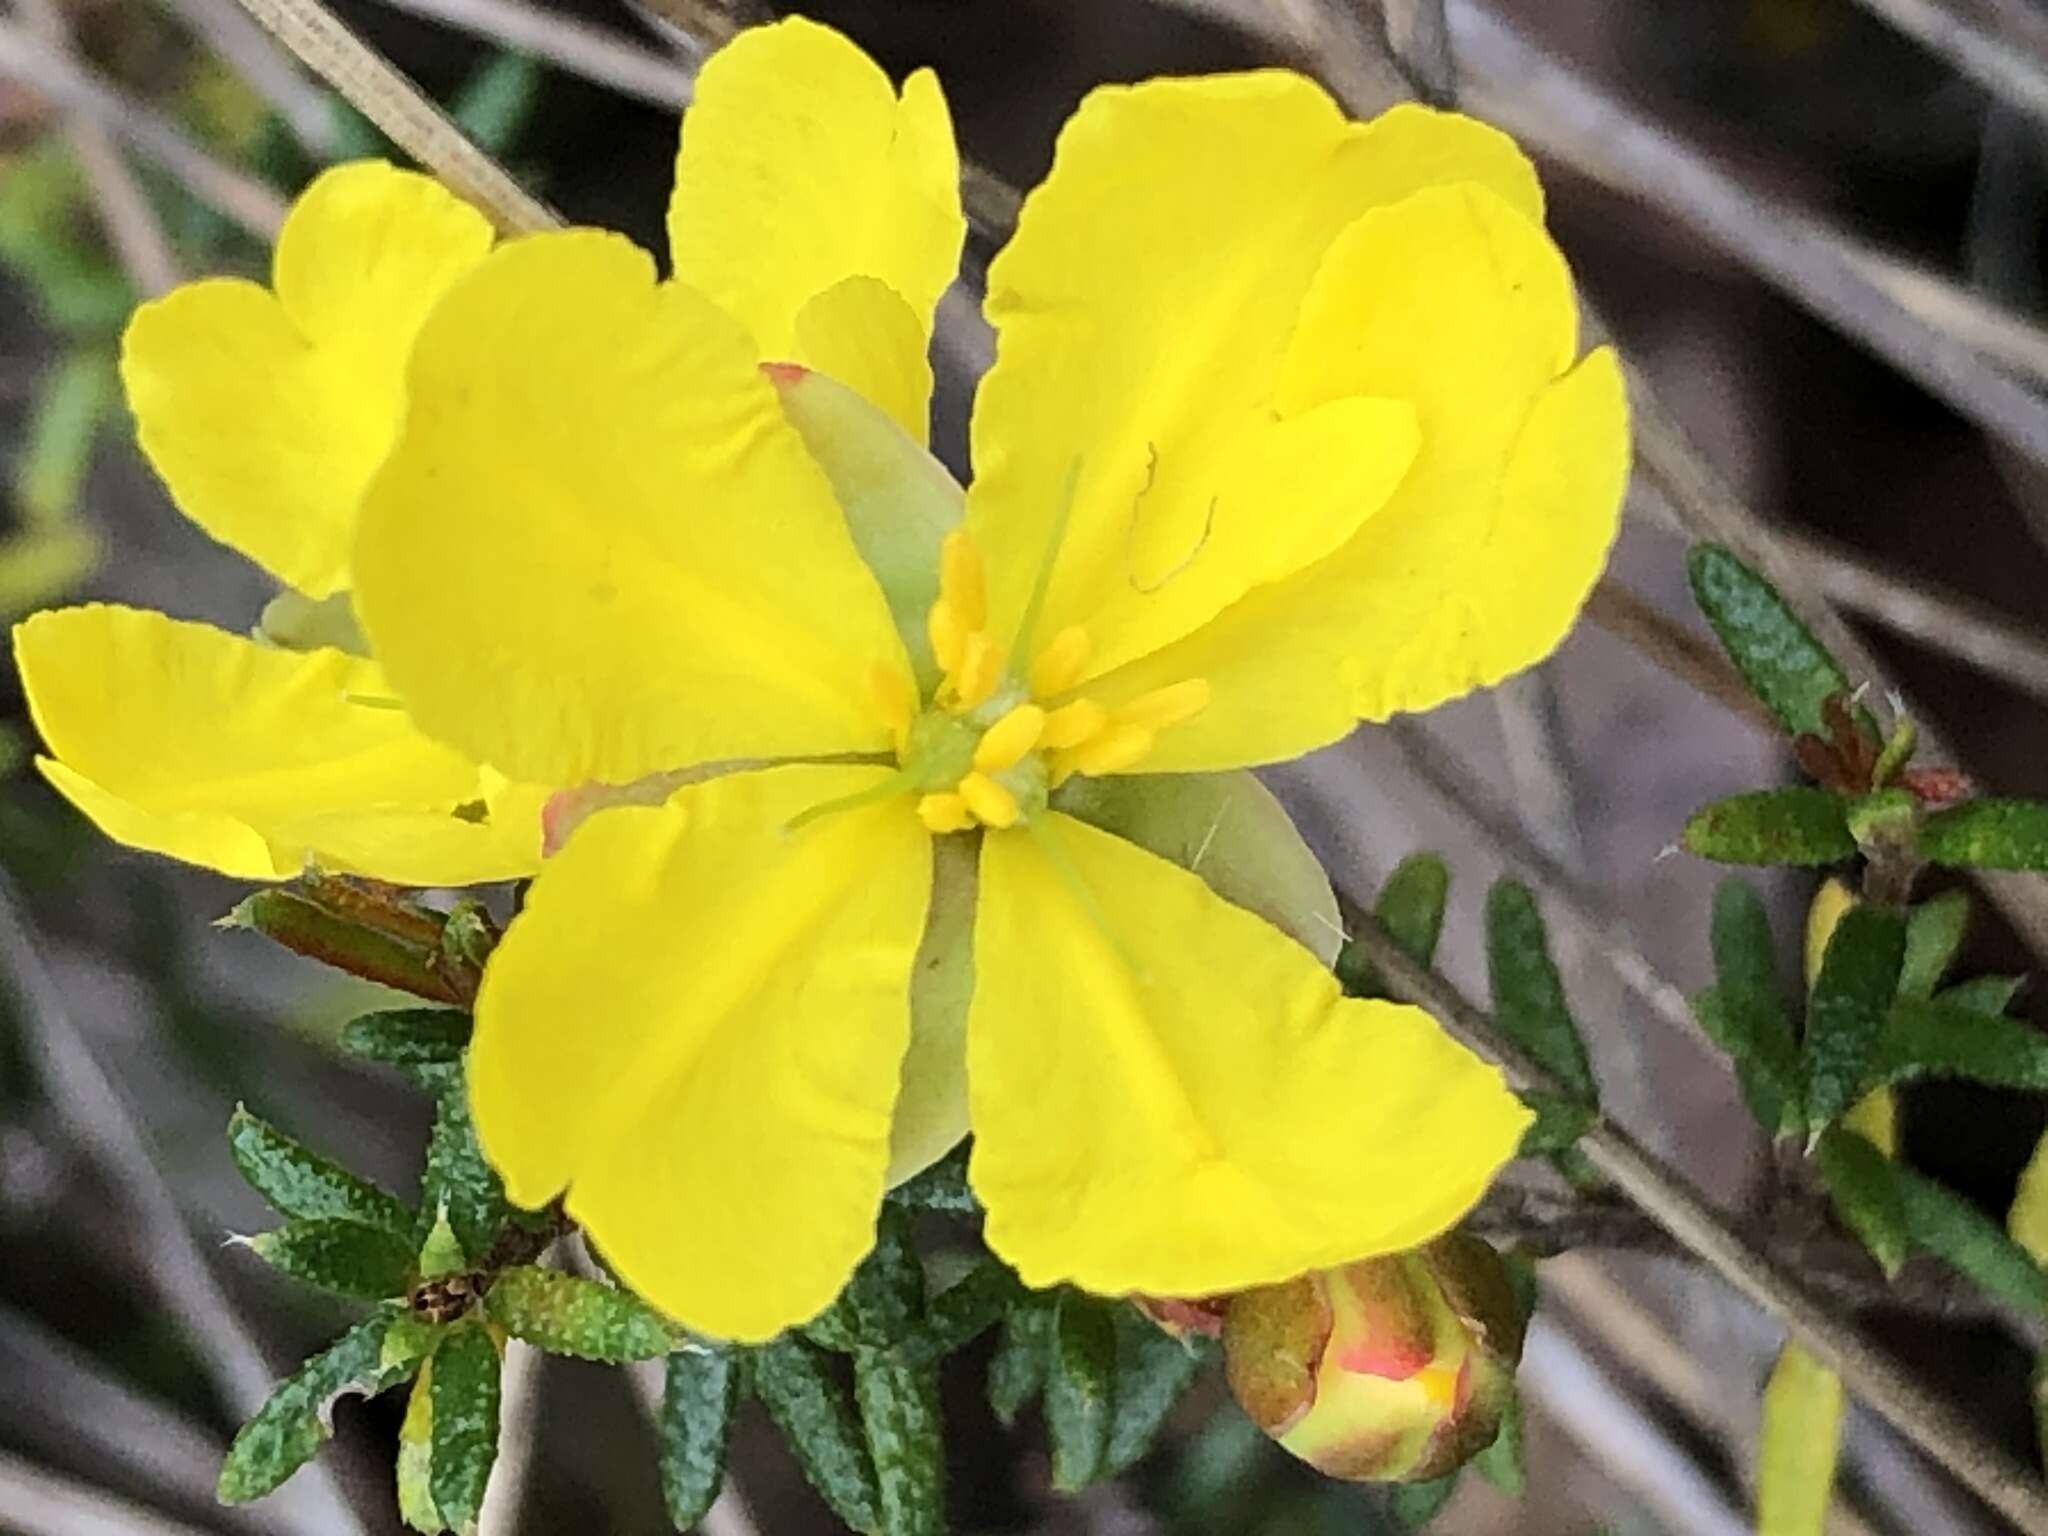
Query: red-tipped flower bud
x=1388, y=1370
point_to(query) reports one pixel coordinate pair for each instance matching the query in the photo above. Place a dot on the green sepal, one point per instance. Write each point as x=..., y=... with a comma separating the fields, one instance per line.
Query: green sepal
x=1988, y=834
x=1528, y=997
x=1937, y=1039
x=1744, y=1013
x=465, y=1385
x=1410, y=907
x=701, y=1392
x=408, y=1038
x=1794, y=825
x=1017, y=1370
x=941, y=1187
x=1846, y=1014
x=883, y=1300
x=795, y=1382
x=349, y=1258
x=287, y=1430
x=1934, y=933
x=585, y=1319
x=899, y=1413
x=303, y=1184
x=1080, y=1390
x=1785, y=667
x=1861, y=1183
x=1153, y=1372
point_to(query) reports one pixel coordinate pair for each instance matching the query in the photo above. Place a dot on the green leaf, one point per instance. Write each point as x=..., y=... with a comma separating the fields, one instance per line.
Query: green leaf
x=496, y=101
x=941, y=1187
x=1017, y=1372
x=1411, y=1505
x=1080, y=1390
x=1845, y=1017
x=1981, y=994
x=1528, y=998
x=1558, y=1126
x=1802, y=1430
x=568, y=1315
x=408, y=1037
x=1934, y=932
x=458, y=1180
x=1783, y=664
x=899, y=1411
x=1411, y=908
x=301, y=1183
x=1795, y=825
x=72, y=402
x=415, y=1468
x=346, y=1257
x=1745, y=1013
x=1951, y=1228
x=465, y=1399
x=1504, y=1463
x=1988, y=834
x=1153, y=1372
x=1865, y=1192
x=794, y=1380
x=288, y=1428
x=701, y=1394
x=965, y=1310
x=883, y=1300
x=1935, y=1039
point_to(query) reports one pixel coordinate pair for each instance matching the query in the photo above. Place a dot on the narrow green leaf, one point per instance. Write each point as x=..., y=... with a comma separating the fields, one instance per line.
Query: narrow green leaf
x=1745, y=1013
x=1952, y=1229
x=965, y=1310
x=302, y=1183
x=568, y=1315
x=1988, y=834
x=941, y=1187
x=465, y=1398
x=1080, y=1390
x=794, y=1380
x=1845, y=1017
x=1528, y=998
x=415, y=1468
x=1865, y=1192
x=1934, y=932
x=1558, y=1126
x=288, y=1428
x=346, y=1257
x=899, y=1411
x=1153, y=1372
x=697, y=1405
x=408, y=1037
x=1795, y=825
x=1784, y=665
x=1981, y=994
x=1016, y=1374
x=883, y=1300
x=1411, y=908
x=1802, y=1429
x=496, y=102
x=72, y=402
x=458, y=1180
x=1937, y=1040
x=1504, y=1463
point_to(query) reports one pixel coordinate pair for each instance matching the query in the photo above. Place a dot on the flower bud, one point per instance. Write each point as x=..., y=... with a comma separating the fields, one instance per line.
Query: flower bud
x=1395, y=1369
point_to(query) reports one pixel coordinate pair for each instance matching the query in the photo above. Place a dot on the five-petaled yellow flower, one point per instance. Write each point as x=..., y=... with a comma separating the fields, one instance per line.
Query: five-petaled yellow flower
x=1287, y=427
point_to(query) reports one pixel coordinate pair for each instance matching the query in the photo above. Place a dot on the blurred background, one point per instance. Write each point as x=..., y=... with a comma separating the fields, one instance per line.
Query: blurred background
x=132, y=1340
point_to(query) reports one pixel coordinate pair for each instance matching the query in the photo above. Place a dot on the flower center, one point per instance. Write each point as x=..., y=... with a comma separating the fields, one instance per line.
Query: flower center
x=992, y=743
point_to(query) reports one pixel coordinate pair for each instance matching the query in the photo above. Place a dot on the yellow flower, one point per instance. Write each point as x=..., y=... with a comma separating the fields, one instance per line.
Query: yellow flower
x=266, y=411
x=1286, y=427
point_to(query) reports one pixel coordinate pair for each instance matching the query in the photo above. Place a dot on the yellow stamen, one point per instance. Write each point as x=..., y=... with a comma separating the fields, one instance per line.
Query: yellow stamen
x=1164, y=707
x=890, y=699
x=945, y=813
x=1110, y=751
x=980, y=669
x=963, y=580
x=1072, y=724
x=1059, y=665
x=993, y=805
x=1004, y=744
x=948, y=633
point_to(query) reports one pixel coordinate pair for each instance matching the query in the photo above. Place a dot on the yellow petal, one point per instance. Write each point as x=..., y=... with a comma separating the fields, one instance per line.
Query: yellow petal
x=187, y=741
x=1142, y=312
x=861, y=333
x=718, y=1110
x=266, y=413
x=1186, y=1104
x=599, y=551
x=800, y=167
x=1479, y=564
